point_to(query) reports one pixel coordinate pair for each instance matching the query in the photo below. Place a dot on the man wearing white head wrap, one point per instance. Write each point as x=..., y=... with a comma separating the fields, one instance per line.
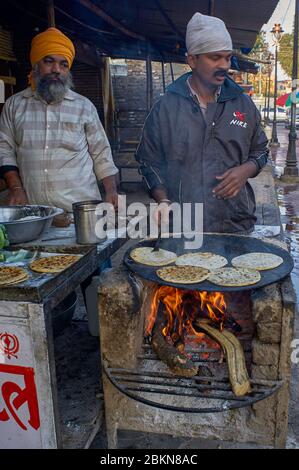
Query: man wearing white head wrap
x=207, y=34
x=209, y=48
x=203, y=139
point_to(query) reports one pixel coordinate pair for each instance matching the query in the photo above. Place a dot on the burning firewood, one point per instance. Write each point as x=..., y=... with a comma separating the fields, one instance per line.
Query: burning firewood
x=175, y=360
x=227, y=321
x=234, y=355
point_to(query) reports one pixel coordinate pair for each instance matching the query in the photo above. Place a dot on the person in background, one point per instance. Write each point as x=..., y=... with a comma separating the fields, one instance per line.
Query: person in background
x=53, y=148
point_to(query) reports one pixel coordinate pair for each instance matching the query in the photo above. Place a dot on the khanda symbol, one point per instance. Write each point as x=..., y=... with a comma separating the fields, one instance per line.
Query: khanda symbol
x=9, y=344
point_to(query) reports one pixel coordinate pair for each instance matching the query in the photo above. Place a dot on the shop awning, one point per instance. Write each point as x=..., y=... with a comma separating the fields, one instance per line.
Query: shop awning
x=133, y=28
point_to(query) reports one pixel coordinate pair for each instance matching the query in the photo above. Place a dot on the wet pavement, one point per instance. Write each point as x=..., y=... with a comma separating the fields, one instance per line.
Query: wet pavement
x=288, y=200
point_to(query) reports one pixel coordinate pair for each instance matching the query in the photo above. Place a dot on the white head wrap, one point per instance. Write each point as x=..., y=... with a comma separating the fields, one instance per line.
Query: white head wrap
x=207, y=34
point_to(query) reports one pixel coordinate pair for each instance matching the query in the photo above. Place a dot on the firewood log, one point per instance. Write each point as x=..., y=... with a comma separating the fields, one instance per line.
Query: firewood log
x=234, y=356
x=178, y=363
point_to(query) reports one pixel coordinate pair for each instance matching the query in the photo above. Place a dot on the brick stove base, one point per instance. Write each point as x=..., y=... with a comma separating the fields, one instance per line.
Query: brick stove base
x=123, y=302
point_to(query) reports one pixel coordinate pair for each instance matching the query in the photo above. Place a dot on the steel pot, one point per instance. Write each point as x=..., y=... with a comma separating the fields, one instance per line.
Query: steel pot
x=85, y=220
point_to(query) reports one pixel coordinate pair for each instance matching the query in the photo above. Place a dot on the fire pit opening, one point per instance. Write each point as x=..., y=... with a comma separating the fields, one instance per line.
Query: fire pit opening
x=187, y=327
x=187, y=361
x=196, y=345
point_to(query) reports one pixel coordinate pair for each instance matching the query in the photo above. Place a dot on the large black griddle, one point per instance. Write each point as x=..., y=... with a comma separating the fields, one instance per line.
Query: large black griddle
x=226, y=245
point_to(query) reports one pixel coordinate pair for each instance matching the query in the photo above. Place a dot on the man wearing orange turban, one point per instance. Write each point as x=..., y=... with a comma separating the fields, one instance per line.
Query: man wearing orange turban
x=52, y=41
x=53, y=148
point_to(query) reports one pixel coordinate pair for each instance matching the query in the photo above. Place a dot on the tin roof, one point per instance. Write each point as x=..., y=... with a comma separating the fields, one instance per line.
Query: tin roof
x=132, y=28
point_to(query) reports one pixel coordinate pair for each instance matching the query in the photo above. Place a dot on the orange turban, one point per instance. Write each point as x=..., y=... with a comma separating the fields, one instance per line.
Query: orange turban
x=50, y=42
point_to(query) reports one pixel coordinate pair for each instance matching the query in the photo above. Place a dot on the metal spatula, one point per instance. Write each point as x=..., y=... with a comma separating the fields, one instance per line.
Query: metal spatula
x=157, y=244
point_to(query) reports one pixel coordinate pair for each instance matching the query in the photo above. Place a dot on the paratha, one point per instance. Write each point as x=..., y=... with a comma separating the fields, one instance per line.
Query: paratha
x=259, y=261
x=12, y=275
x=146, y=255
x=53, y=264
x=183, y=274
x=206, y=260
x=234, y=277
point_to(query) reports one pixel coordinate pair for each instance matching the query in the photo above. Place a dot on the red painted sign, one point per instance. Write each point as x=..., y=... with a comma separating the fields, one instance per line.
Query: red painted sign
x=14, y=396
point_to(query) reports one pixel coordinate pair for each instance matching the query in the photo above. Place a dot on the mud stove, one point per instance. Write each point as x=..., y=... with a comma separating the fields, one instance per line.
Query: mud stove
x=190, y=363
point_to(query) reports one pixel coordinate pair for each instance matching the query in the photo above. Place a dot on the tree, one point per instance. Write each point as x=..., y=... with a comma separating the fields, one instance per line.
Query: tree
x=285, y=54
x=260, y=51
x=260, y=43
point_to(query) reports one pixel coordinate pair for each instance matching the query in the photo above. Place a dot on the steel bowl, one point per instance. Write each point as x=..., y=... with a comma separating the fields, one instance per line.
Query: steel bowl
x=21, y=231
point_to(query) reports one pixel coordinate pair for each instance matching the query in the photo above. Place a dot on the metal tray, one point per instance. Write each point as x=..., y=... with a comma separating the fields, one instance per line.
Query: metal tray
x=226, y=245
x=40, y=285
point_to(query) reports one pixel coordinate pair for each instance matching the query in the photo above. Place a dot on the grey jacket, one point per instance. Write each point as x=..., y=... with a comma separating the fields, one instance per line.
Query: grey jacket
x=183, y=152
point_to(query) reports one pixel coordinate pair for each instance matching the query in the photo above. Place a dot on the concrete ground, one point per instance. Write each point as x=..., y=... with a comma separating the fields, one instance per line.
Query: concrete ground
x=288, y=198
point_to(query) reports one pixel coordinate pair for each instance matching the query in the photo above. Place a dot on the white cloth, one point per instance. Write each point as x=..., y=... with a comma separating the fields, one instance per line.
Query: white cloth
x=207, y=34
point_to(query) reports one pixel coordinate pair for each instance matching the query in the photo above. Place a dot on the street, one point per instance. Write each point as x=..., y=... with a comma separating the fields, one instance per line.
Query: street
x=288, y=199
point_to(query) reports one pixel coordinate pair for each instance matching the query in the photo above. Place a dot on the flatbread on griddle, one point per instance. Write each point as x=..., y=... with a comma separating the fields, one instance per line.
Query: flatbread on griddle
x=234, y=277
x=259, y=261
x=206, y=260
x=53, y=264
x=146, y=255
x=183, y=274
x=12, y=275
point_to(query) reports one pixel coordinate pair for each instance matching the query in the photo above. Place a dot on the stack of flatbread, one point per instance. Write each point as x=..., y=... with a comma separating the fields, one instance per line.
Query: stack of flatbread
x=12, y=275
x=146, y=255
x=259, y=261
x=206, y=260
x=53, y=264
x=183, y=274
x=192, y=268
x=234, y=277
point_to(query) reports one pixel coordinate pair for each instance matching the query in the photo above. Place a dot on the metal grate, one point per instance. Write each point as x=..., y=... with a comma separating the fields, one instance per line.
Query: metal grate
x=214, y=394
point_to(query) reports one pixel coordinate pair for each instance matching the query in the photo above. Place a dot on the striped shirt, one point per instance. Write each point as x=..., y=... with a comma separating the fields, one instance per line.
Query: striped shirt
x=61, y=149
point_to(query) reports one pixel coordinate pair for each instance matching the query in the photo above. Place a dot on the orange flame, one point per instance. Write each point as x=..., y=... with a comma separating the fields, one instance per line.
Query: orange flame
x=182, y=307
